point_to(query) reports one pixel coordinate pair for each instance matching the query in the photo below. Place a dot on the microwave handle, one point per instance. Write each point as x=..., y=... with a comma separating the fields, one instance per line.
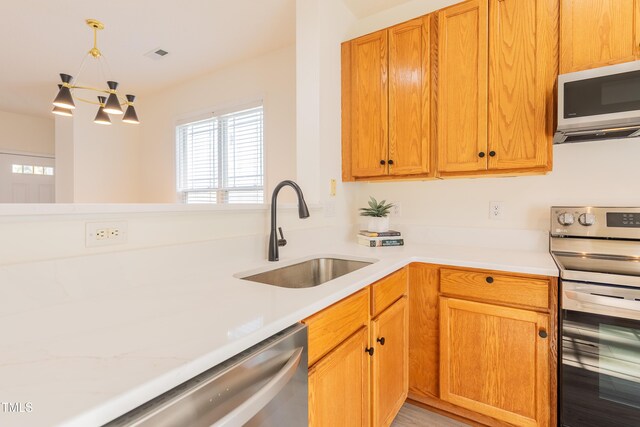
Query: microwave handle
x=614, y=307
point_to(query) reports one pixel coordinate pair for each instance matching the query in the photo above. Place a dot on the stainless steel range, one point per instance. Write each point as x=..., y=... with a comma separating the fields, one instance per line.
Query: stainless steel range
x=598, y=253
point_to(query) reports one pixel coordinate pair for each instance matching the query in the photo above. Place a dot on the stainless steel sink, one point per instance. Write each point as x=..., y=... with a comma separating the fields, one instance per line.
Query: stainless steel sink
x=308, y=273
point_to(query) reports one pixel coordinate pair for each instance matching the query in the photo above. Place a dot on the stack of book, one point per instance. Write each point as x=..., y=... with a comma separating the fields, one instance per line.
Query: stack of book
x=374, y=239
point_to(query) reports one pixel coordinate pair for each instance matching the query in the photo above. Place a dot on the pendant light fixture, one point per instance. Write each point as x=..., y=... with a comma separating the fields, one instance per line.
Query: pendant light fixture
x=102, y=118
x=110, y=103
x=130, y=115
x=62, y=111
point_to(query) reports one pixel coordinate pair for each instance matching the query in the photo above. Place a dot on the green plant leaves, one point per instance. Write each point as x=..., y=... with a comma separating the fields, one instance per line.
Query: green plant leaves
x=376, y=209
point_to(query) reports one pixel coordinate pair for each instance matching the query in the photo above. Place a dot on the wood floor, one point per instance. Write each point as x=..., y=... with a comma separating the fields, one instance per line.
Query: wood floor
x=412, y=416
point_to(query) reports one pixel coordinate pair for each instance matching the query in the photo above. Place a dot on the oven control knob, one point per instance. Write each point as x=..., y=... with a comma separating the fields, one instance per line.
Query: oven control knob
x=587, y=219
x=566, y=218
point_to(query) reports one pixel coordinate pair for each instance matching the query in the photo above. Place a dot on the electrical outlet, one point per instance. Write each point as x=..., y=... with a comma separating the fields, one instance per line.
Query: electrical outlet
x=105, y=233
x=496, y=210
x=396, y=210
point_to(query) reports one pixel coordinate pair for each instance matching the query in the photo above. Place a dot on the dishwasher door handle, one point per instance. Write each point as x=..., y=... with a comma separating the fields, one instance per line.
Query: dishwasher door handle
x=250, y=407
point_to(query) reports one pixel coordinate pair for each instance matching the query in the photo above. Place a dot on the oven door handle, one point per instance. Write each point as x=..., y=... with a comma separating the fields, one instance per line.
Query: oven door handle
x=614, y=307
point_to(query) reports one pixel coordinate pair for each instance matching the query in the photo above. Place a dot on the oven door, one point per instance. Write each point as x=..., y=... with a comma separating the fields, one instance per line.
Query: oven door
x=600, y=371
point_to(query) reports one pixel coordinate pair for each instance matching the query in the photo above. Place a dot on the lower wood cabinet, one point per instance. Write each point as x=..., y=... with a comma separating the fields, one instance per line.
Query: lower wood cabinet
x=390, y=362
x=494, y=360
x=475, y=343
x=483, y=344
x=339, y=385
x=358, y=375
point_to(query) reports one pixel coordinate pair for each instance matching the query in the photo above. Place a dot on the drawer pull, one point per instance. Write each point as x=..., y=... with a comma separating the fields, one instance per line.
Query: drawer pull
x=489, y=279
x=542, y=333
x=369, y=350
x=381, y=340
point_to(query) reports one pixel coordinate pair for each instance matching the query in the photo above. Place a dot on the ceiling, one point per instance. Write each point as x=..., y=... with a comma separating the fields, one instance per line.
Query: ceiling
x=364, y=8
x=41, y=39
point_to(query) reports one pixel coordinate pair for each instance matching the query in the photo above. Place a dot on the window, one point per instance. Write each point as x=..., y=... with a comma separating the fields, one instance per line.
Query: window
x=32, y=170
x=220, y=159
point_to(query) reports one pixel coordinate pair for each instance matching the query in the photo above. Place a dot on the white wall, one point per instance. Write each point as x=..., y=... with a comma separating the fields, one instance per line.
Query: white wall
x=321, y=27
x=27, y=237
x=97, y=163
x=396, y=15
x=26, y=134
x=270, y=77
x=601, y=173
x=65, y=161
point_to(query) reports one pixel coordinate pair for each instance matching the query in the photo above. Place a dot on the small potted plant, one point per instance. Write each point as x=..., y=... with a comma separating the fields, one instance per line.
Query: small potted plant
x=378, y=215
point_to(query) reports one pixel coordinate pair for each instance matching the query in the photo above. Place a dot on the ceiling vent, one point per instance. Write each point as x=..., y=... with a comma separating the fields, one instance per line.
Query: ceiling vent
x=156, y=53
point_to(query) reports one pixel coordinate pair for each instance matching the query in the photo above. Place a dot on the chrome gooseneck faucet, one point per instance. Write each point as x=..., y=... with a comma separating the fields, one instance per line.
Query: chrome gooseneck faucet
x=303, y=212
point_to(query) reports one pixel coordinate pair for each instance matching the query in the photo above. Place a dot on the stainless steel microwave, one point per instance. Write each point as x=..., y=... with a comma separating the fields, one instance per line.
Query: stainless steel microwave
x=601, y=103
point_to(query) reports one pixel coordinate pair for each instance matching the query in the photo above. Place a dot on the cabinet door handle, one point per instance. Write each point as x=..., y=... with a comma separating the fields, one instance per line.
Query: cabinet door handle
x=542, y=333
x=381, y=340
x=369, y=350
x=382, y=162
x=489, y=279
x=481, y=154
x=492, y=153
x=391, y=162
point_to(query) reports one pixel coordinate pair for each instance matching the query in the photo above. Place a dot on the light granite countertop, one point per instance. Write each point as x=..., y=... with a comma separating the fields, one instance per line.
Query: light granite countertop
x=87, y=339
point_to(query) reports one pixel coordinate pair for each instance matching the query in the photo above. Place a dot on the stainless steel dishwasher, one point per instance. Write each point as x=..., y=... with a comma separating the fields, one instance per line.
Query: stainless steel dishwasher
x=264, y=386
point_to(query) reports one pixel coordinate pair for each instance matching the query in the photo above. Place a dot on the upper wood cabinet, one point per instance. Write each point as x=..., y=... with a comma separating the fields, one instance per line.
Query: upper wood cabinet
x=390, y=374
x=496, y=73
x=473, y=82
x=409, y=100
x=462, y=86
x=596, y=33
x=386, y=102
x=368, y=87
x=495, y=361
x=523, y=57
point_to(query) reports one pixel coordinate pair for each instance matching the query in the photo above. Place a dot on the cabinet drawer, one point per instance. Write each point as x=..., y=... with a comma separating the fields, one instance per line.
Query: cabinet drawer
x=495, y=287
x=336, y=323
x=388, y=290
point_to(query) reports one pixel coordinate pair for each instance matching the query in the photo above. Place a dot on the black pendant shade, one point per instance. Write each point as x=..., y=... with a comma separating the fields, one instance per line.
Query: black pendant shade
x=113, y=104
x=130, y=115
x=64, y=98
x=62, y=111
x=102, y=118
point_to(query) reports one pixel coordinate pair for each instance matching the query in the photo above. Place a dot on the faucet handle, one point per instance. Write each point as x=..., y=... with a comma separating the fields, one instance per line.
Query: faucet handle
x=281, y=241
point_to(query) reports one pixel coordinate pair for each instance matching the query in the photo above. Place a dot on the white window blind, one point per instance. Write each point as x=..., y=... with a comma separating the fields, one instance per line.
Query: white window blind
x=220, y=159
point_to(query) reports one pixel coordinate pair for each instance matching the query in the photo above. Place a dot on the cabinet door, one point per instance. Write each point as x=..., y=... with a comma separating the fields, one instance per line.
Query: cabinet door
x=494, y=361
x=522, y=73
x=409, y=112
x=390, y=371
x=424, y=331
x=462, y=87
x=595, y=33
x=369, y=105
x=339, y=385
